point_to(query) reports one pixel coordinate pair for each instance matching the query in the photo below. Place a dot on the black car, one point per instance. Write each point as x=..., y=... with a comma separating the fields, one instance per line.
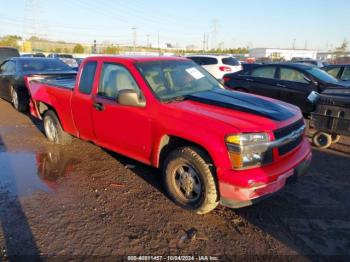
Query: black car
x=341, y=72
x=13, y=71
x=7, y=52
x=33, y=55
x=292, y=83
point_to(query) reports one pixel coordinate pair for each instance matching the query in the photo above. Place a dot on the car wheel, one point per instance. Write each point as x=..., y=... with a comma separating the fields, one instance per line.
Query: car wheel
x=53, y=129
x=189, y=179
x=15, y=100
x=322, y=140
x=335, y=138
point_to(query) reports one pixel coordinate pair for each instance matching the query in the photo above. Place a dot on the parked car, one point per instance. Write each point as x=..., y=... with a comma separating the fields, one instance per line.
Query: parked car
x=317, y=63
x=217, y=65
x=213, y=145
x=292, y=83
x=341, y=72
x=7, y=52
x=249, y=66
x=33, y=55
x=13, y=71
x=66, y=58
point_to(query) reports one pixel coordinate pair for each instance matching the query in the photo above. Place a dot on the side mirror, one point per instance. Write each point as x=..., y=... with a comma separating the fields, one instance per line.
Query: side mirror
x=314, y=82
x=129, y=97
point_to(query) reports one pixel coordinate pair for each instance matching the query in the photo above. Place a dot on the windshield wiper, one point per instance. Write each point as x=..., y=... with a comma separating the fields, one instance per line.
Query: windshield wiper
x=175, y=99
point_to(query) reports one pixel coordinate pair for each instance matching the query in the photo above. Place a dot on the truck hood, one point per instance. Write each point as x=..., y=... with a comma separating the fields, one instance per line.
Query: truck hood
x=232, y=109
x=243, y=102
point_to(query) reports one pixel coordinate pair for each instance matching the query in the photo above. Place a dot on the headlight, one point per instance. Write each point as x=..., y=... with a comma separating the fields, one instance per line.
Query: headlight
x=248, y=150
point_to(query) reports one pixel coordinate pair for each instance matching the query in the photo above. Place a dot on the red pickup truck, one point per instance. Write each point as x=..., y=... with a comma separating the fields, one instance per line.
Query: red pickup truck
x=213, y=145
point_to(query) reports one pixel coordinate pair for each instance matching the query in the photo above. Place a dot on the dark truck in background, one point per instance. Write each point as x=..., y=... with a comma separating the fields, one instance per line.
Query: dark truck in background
x=7, y=52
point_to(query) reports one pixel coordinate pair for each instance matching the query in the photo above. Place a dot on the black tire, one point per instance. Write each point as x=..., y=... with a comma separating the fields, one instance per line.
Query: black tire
x=335, y=138
x=53, y=129
x=17, y=102
x=322, y=140
x=197, y=176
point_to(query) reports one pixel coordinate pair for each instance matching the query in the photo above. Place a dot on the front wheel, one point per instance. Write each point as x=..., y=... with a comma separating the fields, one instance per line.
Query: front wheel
x=189, y=179
x=322, y=140
x=53, y=129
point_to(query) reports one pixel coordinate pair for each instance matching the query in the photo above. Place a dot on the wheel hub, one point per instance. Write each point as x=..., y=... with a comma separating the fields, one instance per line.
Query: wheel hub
x=188, y=182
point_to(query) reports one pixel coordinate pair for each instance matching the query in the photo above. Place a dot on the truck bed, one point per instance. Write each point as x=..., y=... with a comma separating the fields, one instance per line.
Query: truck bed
x=66, y=81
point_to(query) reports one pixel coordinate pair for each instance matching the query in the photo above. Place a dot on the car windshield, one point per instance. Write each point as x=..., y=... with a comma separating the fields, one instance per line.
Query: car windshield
x=171, y=79
x=322, y=75
x=45, y=64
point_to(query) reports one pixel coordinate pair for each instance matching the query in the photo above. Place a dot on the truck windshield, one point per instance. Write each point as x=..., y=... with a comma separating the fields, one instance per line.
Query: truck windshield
x=171, y=79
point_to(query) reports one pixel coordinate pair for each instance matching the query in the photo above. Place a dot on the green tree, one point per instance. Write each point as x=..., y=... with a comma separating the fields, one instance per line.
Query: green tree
x=78, y=49
x=58, y=50
x=10, y=40
x=111, y=50
x=340, y=51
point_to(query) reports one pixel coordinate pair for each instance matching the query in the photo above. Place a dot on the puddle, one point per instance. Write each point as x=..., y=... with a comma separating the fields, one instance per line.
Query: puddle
x=22, y=174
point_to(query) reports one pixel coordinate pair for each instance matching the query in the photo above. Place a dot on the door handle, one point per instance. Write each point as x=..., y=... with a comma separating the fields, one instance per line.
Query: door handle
x=279, y=85
x=99, y=106
x=248, y=79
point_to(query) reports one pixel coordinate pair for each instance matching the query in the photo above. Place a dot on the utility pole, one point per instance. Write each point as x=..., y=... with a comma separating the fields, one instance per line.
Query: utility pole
x=158, y=43
x=215, y=28
x=207, y=41
x=204, y=40
x=134, y=37
x=305, y=47
x=294, y=43
x=147, y=40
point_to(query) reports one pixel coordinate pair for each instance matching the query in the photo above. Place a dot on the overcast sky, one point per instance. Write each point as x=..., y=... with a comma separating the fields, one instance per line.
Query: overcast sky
x=316, y=24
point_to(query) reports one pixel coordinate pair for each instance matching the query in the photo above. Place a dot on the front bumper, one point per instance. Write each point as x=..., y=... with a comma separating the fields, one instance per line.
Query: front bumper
x=237, y=196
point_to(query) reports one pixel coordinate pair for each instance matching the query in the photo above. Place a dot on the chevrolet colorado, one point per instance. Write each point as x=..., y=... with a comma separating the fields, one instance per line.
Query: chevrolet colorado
x=213, y=145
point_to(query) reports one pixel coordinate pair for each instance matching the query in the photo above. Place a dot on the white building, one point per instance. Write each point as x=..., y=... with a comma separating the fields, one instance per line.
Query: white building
x=278, y=53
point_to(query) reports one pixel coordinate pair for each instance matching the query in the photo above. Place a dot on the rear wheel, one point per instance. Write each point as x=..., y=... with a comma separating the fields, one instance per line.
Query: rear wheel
x=53, y=129
x=189, y=179
x=16, y=102
x=322, y=140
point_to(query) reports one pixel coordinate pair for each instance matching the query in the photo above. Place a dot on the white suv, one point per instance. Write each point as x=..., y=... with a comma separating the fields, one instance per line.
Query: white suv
x=217, y=65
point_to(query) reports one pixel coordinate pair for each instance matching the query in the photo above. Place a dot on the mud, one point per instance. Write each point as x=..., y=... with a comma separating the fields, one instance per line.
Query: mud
x=81, y=201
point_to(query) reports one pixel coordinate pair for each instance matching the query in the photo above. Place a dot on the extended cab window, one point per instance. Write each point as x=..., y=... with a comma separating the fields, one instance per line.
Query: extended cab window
x=289, y=74
x=115, y=78
x=208, y=61
x=87, y=77
x=265, y=72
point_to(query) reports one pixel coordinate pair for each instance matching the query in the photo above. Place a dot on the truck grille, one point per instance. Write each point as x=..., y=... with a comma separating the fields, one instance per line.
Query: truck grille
x=282, y=132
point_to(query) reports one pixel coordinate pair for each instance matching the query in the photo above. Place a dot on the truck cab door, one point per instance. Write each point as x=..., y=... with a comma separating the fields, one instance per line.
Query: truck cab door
x=82, y=102
x=120, y=128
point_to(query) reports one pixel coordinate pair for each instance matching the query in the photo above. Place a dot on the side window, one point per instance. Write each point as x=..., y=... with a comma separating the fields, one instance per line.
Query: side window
x=115, y=78
x=265, y=72
x=87, y=77
x=197, y=60
x=346, y=74
x=333, y=71
x=3, y=67
x=208, y=61
x=289, y=74
x=9, y=68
